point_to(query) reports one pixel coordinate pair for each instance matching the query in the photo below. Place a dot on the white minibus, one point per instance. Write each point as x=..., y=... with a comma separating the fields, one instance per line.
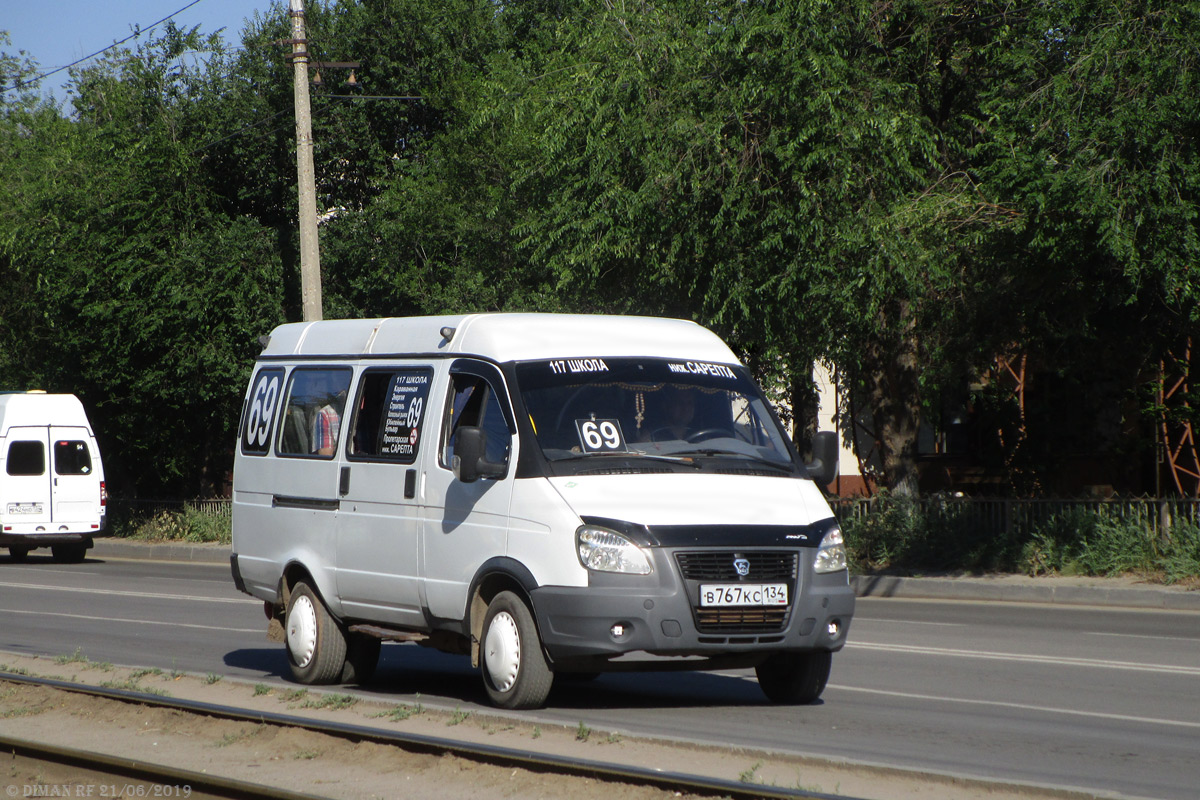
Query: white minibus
x=52, y=491
x=546, y=494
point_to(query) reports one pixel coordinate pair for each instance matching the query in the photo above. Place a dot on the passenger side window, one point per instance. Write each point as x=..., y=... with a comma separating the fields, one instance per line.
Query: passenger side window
x=312, y=417
x=474, y=402
x=390, y=415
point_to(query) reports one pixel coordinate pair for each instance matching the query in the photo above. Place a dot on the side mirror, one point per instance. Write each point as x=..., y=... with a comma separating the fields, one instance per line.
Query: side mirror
x=824, y=465
x=470, y=462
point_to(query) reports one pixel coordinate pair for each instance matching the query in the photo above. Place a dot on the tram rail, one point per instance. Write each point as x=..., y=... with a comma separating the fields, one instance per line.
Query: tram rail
x=208, y=785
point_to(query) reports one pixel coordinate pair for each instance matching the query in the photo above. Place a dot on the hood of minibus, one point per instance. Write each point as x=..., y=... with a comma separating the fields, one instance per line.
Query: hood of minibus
x=697, y=499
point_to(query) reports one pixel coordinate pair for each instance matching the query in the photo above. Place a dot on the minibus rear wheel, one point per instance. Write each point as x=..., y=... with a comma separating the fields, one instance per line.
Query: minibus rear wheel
x=69, y=553
x=794, y=678
x=315, y=644
x=18, y=553
x=514, y=667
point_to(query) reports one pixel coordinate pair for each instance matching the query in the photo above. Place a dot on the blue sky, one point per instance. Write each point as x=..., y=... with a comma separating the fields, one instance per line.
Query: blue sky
x=56, y=33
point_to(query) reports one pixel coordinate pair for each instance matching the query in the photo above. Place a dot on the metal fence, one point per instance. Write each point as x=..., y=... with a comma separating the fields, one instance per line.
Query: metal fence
x=1010, y=517
x=142, y=509
x=996, y=515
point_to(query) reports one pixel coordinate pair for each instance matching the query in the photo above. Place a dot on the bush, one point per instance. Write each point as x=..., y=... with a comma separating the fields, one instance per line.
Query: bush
x=1179, y=558
x=189, y=524
x=897, y=532
x=944, y=535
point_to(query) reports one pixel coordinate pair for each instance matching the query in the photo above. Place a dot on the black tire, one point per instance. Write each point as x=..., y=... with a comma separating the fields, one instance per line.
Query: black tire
x=316, y=647
x=794, y=678
x=69, y=553
x=18, y=554
x=515, y=672
x=362, y=656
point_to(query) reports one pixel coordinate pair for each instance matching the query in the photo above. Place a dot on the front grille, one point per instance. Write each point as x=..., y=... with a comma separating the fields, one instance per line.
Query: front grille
x=740, y=620
x=718, y=566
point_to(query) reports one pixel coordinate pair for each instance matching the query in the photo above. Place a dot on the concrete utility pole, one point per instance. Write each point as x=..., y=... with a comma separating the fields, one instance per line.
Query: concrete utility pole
x=310, y=256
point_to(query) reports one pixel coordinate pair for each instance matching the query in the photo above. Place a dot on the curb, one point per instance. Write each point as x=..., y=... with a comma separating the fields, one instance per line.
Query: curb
x=1021, y=589
x=999, y=588
x=151, y=551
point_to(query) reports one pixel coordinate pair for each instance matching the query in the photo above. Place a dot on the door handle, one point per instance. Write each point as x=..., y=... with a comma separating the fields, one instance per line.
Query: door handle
x=344, y=482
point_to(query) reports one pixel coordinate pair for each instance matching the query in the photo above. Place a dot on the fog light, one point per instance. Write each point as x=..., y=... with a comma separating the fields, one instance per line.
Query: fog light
x=617, y=631
x=834, y=629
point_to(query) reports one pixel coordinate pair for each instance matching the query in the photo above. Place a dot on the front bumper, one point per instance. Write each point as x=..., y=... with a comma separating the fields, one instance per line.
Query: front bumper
x=659, y=615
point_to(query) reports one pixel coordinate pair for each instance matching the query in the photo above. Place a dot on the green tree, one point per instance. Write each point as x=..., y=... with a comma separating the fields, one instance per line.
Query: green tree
x=132, y=293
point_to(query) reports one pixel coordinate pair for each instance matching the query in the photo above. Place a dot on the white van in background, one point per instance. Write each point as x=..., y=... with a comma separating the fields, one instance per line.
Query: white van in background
x=52, y=491
x=544, y=493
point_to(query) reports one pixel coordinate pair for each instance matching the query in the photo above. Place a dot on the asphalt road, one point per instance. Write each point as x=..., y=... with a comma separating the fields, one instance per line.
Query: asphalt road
x=1098, y=698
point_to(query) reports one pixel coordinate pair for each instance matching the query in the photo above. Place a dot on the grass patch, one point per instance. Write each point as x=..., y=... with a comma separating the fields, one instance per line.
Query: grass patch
x=333, y=702
x=750, y=775
x=14, y=713
x=234, y=738
x=399, y=713
x=131, y=685
x=293, y=696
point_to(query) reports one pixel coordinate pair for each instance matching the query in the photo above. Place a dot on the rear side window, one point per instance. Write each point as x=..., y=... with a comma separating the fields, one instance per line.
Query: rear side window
x=312, y=417
x=258, y=416
x=72, y=458
x=26, y=458
x=390, y=414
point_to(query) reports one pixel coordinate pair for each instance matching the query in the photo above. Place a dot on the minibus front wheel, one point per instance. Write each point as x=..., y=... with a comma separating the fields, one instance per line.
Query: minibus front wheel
x=315, y=644
x=514, y=667
x=794, y=678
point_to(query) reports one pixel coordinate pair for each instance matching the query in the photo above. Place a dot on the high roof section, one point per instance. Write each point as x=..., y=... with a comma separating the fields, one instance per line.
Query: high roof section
x=503, y=337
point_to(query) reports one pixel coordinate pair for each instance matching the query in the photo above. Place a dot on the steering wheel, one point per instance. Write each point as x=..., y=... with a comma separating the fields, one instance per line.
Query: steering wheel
x=708, y=433
x=567, y=404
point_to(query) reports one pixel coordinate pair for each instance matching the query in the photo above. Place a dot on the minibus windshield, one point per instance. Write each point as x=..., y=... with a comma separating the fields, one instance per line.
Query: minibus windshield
x=661, y=409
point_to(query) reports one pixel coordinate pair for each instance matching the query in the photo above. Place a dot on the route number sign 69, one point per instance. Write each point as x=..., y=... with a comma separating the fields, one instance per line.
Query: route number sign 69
x=600, y=435
x=261, y=407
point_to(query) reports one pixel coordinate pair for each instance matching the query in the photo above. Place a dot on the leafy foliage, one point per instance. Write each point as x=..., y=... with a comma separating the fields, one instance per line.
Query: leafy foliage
x=902, y=189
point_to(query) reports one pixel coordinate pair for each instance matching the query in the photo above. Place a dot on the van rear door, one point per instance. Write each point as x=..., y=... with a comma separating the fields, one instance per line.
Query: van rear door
x=74, y=478
x=27, y=484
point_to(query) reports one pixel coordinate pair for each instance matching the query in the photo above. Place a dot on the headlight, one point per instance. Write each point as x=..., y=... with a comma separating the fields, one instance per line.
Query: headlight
x=605, y=551
x=831, y=555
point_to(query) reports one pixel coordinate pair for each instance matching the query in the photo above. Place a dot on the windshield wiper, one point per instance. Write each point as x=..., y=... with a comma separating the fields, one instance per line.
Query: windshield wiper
x=789, y=467
x=674, y=459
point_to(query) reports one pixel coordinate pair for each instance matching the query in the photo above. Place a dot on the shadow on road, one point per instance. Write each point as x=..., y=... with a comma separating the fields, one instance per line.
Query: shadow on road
x=407, y=672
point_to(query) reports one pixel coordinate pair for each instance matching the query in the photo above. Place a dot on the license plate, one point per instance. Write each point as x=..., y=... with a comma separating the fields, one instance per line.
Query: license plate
x=24, y=508
x=743, y=594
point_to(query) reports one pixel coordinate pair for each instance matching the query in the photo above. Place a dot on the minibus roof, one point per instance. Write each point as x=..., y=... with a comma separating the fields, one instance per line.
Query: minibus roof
x=38, y=408
x=503, y=337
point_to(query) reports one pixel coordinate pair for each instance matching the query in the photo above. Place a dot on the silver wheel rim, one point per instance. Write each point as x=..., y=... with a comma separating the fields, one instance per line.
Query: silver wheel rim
x=302, y=631
x=502, y=651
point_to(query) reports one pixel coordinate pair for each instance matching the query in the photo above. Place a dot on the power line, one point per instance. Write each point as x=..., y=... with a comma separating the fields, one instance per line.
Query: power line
x=243, y=129
x=137, y=32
